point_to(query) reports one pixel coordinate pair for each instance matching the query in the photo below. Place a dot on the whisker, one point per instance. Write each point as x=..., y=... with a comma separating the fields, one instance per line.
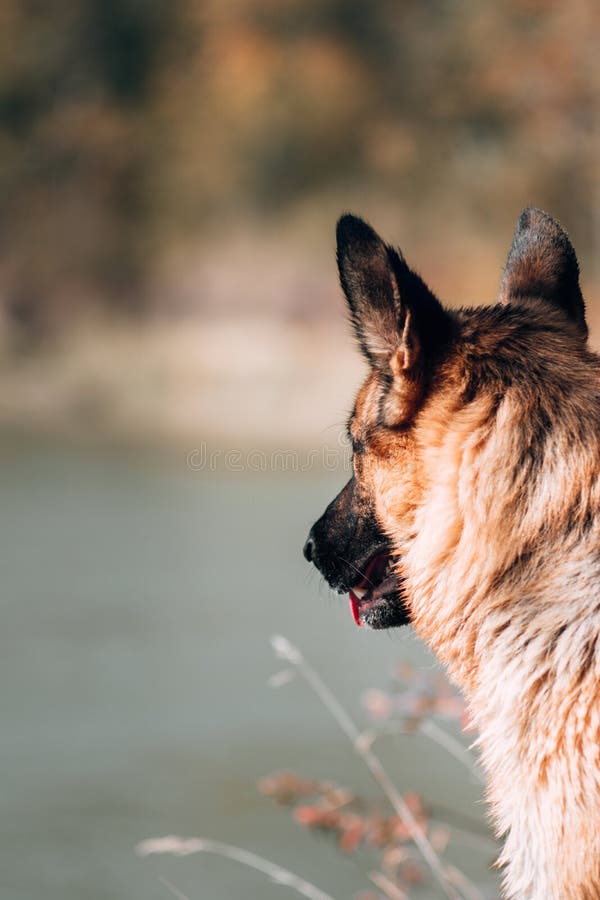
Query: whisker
x=356, y=569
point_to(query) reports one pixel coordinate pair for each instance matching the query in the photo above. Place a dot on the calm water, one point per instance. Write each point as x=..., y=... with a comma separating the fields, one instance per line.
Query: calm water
x=138, y=598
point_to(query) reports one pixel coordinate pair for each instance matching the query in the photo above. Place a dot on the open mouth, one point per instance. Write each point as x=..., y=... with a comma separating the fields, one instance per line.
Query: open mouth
x=374, y=599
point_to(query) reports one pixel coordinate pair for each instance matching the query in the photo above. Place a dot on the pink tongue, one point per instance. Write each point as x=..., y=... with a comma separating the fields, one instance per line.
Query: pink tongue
x=354, y=607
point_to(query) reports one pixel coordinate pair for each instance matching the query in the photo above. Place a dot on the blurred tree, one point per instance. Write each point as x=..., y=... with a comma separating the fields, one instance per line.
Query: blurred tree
x=76, y=85
x=127, y=124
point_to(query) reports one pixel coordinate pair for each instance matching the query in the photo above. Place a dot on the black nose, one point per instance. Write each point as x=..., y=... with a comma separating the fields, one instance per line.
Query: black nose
x=309, y=548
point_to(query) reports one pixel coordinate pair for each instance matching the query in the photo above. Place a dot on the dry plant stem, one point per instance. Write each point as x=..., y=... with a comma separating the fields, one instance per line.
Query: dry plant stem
x=174, y=890
x=186, y=846
x=285, y=650
x=466, y=837
x=387, y=887
x=433, y=731
x=470, y=891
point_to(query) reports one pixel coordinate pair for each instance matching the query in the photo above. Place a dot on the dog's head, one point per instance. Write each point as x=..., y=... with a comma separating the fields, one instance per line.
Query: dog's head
x=409, y=341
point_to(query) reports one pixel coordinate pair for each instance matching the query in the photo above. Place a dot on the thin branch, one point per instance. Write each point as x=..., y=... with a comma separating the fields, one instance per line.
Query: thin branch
x=186, y=846
x=286, y=650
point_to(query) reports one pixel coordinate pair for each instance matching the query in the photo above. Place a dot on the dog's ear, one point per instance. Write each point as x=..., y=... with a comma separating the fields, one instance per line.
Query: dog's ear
x=395, y=316
x=542, y=264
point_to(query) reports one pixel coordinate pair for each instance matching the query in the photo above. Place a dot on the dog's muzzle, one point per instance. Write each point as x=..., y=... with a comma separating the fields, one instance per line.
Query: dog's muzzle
x=349, y=549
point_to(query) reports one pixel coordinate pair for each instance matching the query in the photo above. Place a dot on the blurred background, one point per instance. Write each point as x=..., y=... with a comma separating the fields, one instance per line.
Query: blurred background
x=175, y=374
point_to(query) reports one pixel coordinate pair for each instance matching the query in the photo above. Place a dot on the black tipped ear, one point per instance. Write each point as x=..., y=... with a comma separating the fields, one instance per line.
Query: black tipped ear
x=370, y=285
x=542, y=263
x=391, y=308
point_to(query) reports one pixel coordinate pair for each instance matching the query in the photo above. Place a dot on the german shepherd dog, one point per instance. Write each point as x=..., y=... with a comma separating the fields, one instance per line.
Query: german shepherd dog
x=473, y=513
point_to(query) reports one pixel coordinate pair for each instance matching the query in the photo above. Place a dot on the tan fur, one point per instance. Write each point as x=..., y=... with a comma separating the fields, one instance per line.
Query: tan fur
x=500, y=559
x=474, y=512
